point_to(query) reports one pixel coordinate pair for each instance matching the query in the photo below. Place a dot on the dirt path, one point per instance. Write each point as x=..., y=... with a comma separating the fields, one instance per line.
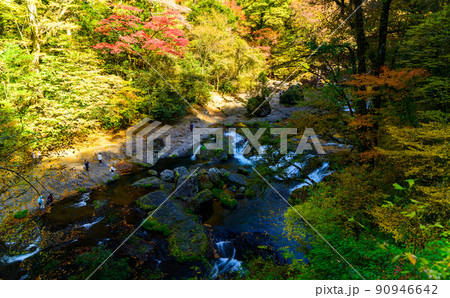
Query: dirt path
x=64, y=174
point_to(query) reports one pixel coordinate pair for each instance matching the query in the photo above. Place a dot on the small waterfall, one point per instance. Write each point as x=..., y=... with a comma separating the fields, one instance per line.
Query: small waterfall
x=226, y=262
x=196, y=151
x=238, y=143
x=20, y=258
x=89, y=225
x=317, y=175
x=84, y=198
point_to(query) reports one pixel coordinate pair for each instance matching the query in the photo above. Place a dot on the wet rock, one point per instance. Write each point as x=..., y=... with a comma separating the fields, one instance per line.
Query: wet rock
x=149, y=182
x=188, y=240
x=237, y=179
x=168, y=175
x=224, y=173
x=187, y=188
x=242, y=189
x=138, y=248
x=204, y=182
x=214, y=175
x=205, y=197
x=232, y=188
x=152, y=173
x=181, y=171
x=152, y=200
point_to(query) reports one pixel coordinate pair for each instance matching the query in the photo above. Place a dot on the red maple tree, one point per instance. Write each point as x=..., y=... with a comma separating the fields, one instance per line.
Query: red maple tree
x=161, y=34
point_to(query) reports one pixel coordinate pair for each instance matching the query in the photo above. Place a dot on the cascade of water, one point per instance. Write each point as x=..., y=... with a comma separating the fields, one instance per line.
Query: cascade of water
x=193, y=157
x=238, y=144
x=20, y=258
x=84, y=197
x=226, y=262
x=317, y=175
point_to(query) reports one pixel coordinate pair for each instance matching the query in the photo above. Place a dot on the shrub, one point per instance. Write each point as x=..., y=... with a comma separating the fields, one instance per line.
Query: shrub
x=166, y=105
x=21, y=214
x=292, y=96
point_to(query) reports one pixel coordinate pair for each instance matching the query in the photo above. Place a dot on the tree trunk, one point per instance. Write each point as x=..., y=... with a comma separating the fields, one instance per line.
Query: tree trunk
x=357, y=25
x=382, y=39
x=35, y=34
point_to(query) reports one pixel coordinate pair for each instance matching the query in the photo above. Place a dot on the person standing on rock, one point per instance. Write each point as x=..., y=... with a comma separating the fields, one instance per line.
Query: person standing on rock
x=191, y=126
x=50, y=200
x=100, y=158
x=86, y=165
x=41, y=202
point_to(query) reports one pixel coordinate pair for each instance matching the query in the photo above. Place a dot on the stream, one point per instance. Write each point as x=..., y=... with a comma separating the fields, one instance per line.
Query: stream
x=105, y=216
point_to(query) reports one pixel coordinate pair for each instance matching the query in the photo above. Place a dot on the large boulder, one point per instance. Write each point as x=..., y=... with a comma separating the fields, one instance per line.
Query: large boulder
x=149, y=182
x=201, y=201
x=188, y=240
x=152, y=200
x=238, y=179
x=168, y=175
x=187, y=188
x=181, y=171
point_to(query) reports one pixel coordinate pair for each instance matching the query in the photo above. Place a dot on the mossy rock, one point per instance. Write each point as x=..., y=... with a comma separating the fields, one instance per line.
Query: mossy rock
x=149, y=201
x=149, y=182
x=152, y=173
x=189, y=242
x=200, y=199
x=152, y=224
x=204, y=182
x=227, y=201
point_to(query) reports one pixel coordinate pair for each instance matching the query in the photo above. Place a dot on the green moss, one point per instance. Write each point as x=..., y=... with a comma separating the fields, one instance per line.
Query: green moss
x=145, y=207
x=227, y=201
x=250, y=193
x=198, y=240
x=81, y=189
x=152, y=224
x=21, y=214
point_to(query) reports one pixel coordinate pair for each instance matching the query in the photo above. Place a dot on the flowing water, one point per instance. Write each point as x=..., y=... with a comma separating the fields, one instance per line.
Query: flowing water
x=78, y=215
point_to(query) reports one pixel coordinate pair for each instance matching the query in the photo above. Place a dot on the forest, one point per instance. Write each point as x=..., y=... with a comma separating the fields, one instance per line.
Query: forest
x=371, y=77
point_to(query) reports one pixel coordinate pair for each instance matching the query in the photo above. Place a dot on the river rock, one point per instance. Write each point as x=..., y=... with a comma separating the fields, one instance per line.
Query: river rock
x=204, y=182
x=202, y=198
x=214, y=175
x=188, y=240
x=242, y=189
x=224, y=173
x=152, y=173
x=181, y=171
x=150, y=182
x=237, y=179
x=152, y=200
x=187, y=188
x=168, y=175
